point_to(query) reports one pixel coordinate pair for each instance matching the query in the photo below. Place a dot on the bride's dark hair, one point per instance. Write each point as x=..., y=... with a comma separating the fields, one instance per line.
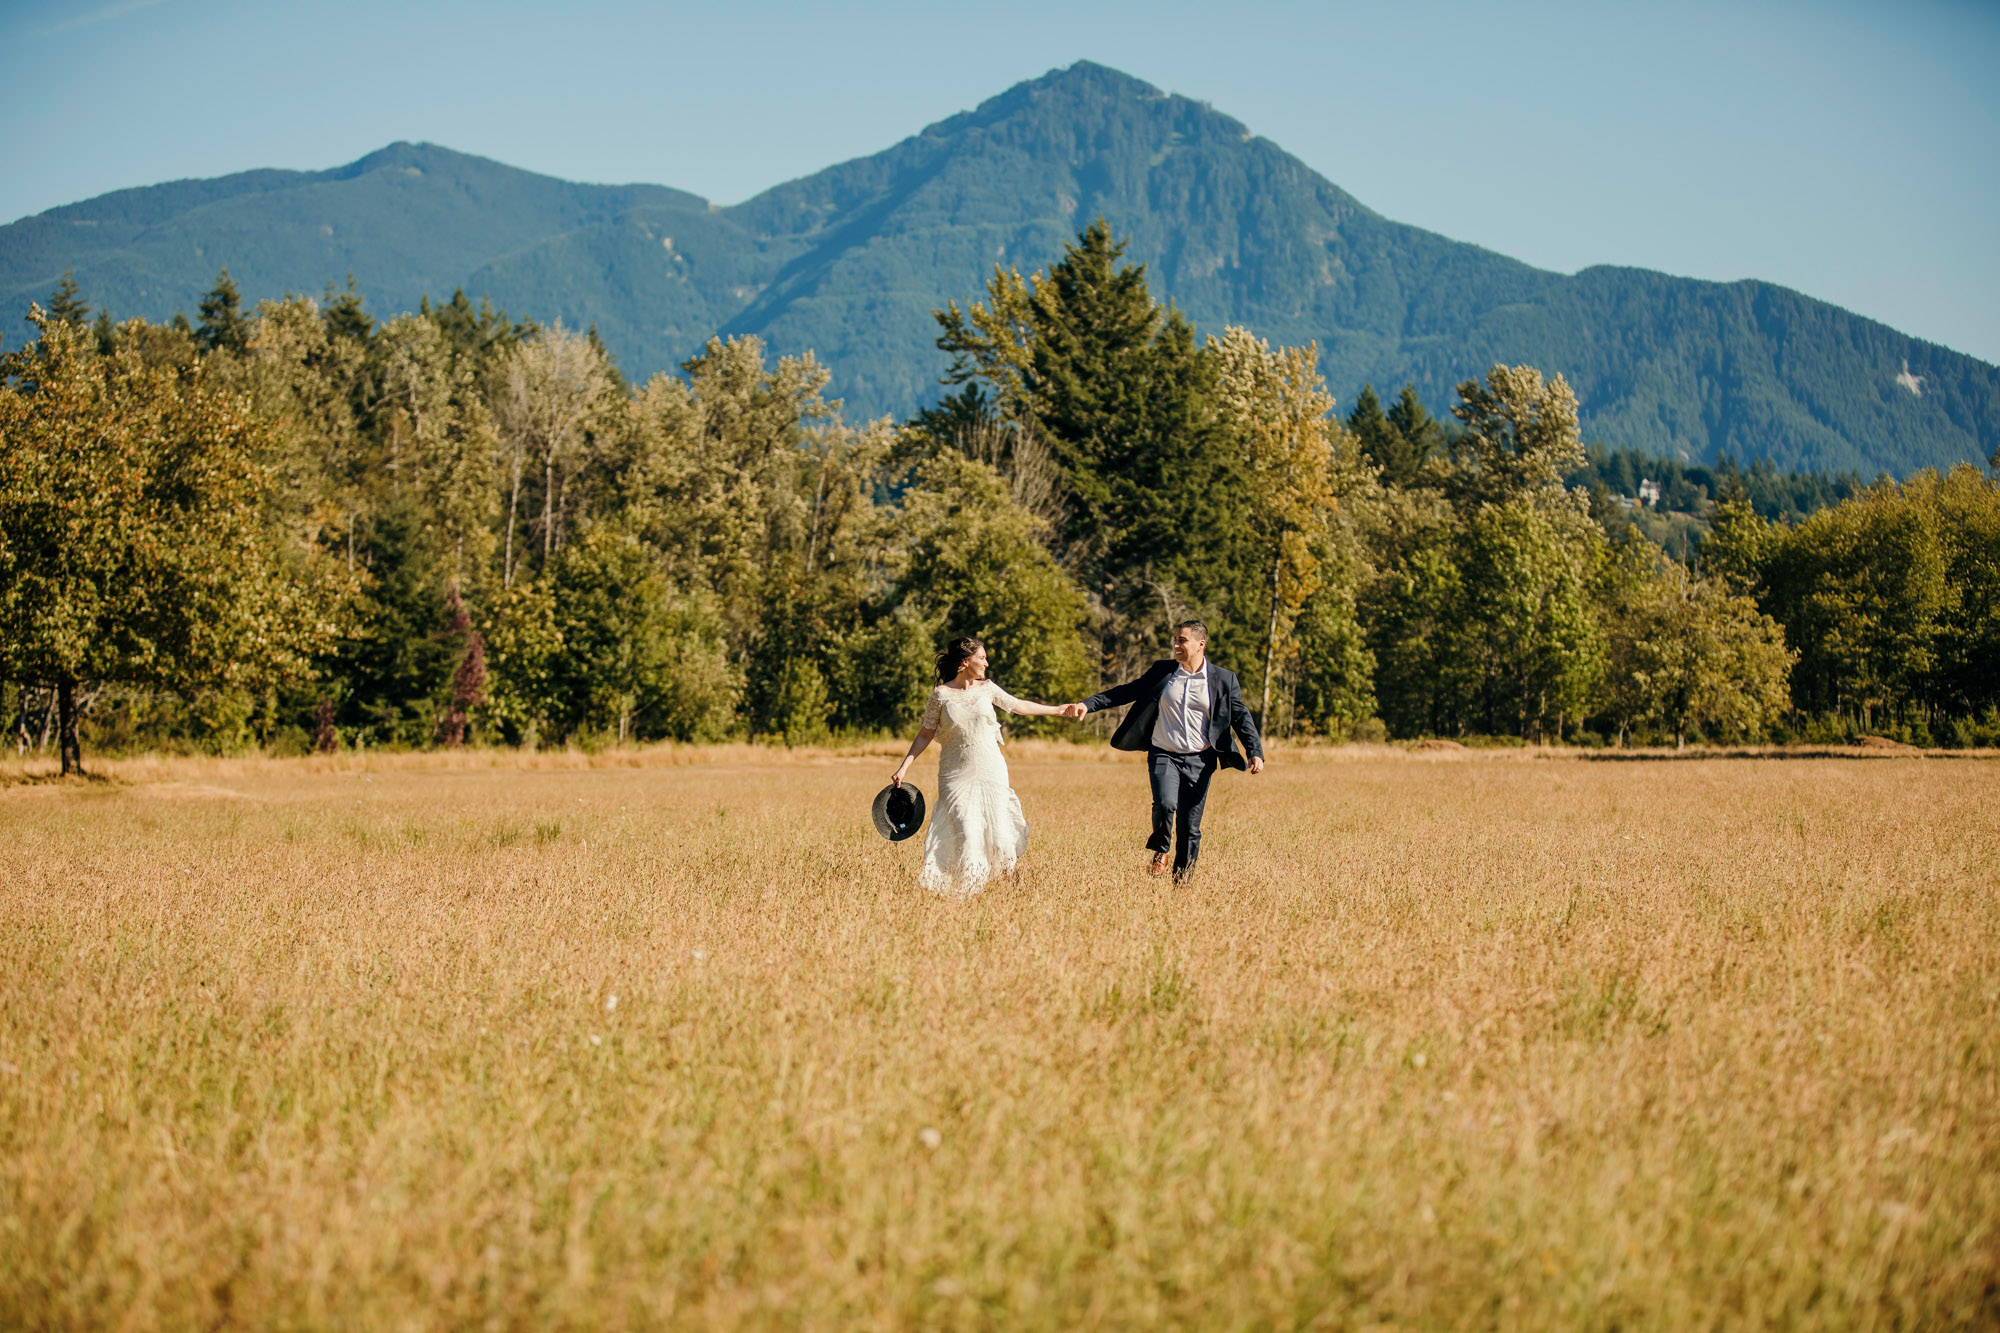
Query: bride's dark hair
x=954, y=655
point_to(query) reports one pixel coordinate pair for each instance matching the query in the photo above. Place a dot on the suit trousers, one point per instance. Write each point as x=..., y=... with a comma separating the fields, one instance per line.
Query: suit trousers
x=1180, y=788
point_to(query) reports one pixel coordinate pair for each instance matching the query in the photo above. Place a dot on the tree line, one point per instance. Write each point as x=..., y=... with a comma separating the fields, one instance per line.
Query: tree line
x=303, y=528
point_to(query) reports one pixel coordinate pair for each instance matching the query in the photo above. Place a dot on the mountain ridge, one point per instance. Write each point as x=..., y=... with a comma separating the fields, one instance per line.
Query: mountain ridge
x=849, y=262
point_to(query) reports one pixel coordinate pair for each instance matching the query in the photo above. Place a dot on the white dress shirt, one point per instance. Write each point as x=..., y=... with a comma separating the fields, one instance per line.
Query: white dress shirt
x=1182, y=725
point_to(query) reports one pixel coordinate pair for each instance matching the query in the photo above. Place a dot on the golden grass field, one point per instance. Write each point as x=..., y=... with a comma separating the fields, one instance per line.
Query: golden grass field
x=670, y=1038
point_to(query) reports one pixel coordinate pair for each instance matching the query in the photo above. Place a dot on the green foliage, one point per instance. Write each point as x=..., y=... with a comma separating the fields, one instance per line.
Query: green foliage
x=1688, y=654
x=1527, y=636
x=1333, y=679
x=883, y=671
x=971, y=563
x=447, y=525
x=391, y=674
x=222, y=324
x=1890, y=599
x=66, y=304
x=637, y=660
x=1398, y=442
x=130, y=544
x=524, y=648
x=1119, y=391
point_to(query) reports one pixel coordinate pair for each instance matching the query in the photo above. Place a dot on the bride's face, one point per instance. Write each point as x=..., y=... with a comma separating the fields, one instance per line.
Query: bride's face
x=975, y=665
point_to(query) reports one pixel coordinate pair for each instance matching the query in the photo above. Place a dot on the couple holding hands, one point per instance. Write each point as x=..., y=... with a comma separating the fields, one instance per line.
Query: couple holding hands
x=1185, y=710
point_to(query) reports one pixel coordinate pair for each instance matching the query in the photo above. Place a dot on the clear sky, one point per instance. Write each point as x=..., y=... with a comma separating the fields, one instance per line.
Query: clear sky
x=1846, y=148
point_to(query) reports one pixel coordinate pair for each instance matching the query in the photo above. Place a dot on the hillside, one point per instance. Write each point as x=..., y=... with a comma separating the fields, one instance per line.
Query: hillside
x=849, y=262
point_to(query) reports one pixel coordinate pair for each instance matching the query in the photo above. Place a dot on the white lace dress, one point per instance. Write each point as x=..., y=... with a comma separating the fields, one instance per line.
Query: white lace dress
x=977, y=830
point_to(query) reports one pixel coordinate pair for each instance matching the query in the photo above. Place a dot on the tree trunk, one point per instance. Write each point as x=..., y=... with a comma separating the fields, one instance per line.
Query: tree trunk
x=548, y=507
x=513, y=508
x=72, y=749
x=1270, y=646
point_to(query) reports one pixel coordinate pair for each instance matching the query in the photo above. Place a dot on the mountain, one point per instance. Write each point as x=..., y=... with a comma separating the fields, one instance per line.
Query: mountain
x=850, y=262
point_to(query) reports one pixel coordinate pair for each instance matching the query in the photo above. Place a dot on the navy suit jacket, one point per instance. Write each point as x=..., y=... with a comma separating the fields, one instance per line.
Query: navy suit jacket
x=1225, y=711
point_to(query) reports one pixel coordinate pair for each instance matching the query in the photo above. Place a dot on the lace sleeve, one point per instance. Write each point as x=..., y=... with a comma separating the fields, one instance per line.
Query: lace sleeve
x=1006, y=700
x=930, y=722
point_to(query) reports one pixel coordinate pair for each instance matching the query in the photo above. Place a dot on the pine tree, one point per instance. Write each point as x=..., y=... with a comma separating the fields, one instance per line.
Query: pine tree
x=222, y=323
x=66, y=303
x=1095, y=324
x=1381, y=444
x=344, y=315
x=1423, y=434
x=1120, y=391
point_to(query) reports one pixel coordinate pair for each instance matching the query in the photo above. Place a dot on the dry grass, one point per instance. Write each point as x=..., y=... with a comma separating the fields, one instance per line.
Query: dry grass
x=1455, y=1040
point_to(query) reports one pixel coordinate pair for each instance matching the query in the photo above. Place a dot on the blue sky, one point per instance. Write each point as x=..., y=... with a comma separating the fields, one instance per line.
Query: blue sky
x=1850, y=150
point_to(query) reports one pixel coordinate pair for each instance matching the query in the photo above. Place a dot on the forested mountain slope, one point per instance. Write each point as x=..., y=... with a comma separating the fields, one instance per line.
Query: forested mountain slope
x=850, y=262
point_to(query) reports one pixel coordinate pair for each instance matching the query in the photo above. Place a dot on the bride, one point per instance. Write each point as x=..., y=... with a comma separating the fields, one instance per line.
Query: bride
x=977, y=830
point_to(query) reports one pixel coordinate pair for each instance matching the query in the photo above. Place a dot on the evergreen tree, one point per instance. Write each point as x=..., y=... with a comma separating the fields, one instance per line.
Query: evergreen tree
x=66, y=303
x=344, y=315
x=1422, y=434
x=1379, y=442
x=1120, y=391
x=223, y=326
x=1400, y=441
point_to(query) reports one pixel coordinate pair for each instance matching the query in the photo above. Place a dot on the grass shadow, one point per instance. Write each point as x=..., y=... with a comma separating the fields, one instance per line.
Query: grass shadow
x=1794, y=752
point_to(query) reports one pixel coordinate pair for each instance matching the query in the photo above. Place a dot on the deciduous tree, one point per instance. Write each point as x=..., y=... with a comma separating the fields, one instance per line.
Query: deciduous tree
x=131, y=543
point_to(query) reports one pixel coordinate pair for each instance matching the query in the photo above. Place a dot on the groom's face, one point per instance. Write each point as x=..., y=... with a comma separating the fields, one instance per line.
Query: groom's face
x=1188, y=646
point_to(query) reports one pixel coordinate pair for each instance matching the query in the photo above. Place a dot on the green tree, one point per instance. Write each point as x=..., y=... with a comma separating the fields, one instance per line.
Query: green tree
x=524, y=648
x=223, y=326
x=1398, y=442
x=639, y=660
x=558, y=387
x=1521, y=436
x=1423, y=436
x=719, y=476
x=1690, y=654
x=1410, y=608
x=391, y=671
x=1863, y=590
x=970, y=562
x=1967, y=509
x=1276, y=409
x=1334, y=673
x=346, y=315
x=1526, y=631
x=1120, y=392
x=131, y=546
x=66, y=305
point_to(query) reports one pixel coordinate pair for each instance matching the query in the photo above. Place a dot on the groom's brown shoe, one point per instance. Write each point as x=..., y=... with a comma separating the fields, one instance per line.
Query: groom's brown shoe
x=1161, y=867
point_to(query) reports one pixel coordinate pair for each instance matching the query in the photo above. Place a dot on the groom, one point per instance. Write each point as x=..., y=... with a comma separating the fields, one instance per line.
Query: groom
x=1182, y=714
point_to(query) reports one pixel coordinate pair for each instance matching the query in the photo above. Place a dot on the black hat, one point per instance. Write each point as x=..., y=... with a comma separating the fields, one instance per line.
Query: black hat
x=899, y=811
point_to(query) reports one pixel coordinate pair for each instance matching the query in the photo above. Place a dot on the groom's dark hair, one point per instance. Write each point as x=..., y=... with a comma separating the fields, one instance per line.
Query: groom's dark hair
x=1200, y=630
x=954, y=655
